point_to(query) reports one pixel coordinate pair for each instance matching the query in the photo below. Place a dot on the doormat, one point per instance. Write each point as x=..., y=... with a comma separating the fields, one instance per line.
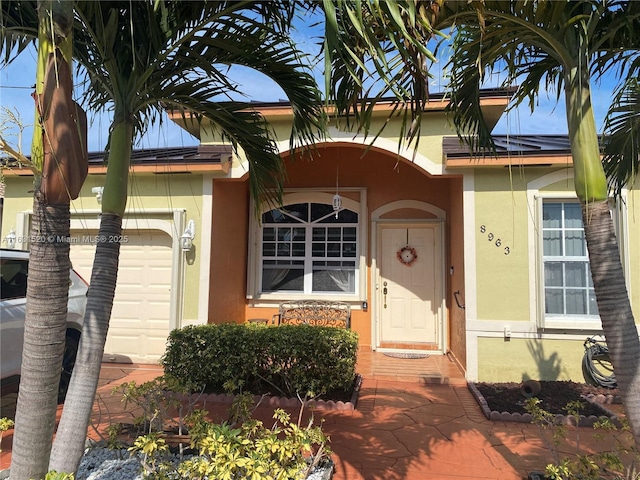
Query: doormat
x=406, y=355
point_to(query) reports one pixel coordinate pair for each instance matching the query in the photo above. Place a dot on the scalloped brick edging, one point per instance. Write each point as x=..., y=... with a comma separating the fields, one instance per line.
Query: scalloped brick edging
x=280, y=402
x=583, y=421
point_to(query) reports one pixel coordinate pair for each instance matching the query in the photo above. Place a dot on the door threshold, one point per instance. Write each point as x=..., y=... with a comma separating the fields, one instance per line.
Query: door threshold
x=409, y=350
x=400, y=346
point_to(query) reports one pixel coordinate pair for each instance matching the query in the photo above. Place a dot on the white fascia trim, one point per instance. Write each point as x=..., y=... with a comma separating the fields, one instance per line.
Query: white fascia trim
x=408, y=153
x=470, y=278
x=523, y=329
x=472, y=356
x=623, y=241
x=205, y=248
x=239, y=170
x=375, y=287
x=550, y=178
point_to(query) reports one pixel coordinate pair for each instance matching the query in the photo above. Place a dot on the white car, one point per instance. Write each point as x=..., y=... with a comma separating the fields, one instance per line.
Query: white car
x=13, y=306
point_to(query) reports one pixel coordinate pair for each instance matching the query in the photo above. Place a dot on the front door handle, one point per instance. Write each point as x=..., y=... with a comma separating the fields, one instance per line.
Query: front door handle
x=384, y=292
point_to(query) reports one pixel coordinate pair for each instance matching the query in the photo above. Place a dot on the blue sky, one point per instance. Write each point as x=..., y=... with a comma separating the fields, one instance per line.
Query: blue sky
x=16, y=81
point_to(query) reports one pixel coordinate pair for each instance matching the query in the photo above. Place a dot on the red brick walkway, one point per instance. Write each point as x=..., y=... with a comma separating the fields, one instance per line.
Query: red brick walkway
x=415, y=419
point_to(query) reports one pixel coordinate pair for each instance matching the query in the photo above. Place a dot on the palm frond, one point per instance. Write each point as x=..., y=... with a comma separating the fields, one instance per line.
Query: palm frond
x=18, y=28
x=467, y=77
x=528, y=43
x=251, y=45
x=622, y=137
x=376, y=52
x=145, y=56
x=247, y=131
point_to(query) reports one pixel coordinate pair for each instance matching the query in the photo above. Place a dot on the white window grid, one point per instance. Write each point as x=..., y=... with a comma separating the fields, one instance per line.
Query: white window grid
x=296, y=245
x=571, y=286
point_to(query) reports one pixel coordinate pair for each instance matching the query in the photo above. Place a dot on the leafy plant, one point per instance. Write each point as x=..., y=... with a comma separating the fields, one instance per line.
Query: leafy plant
x=288, y=361
x=251, y=451
x=152, y=447
x=618, y=463
x=240, y=448
x=157, y=399
x=5, y=424
x=53, y=475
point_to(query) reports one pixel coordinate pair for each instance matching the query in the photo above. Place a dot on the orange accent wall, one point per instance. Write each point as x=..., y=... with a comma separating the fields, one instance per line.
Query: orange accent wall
x=228, y=279
x=455, y=236
x=386, y=179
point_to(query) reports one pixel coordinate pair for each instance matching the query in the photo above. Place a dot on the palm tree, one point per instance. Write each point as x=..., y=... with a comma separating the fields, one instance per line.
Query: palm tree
x=564, y=43
x=60, y=168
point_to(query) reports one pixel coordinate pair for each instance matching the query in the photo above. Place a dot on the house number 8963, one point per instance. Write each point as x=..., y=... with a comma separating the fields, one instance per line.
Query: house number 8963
x=496, y=241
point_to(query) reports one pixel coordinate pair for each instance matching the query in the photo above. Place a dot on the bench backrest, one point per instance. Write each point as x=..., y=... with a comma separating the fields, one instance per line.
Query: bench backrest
x=314, y=312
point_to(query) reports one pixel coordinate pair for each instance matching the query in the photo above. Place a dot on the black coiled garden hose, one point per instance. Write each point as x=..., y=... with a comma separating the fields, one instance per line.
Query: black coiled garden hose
x=596, y=364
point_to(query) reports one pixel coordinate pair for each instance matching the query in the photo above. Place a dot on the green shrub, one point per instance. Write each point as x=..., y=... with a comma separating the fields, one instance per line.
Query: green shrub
x=288, y=360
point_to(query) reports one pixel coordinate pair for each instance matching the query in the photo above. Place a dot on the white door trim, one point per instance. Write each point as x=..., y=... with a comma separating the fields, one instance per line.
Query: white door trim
x=376, y=229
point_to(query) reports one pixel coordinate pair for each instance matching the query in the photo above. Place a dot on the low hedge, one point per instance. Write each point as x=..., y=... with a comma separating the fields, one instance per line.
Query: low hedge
x=286, y=360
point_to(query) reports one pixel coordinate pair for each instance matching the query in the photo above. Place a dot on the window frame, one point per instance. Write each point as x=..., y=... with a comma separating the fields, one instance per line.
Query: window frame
x=293, y=196
x=566, y=321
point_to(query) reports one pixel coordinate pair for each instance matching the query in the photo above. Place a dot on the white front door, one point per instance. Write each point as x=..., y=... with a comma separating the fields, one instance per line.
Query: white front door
x=410, y=295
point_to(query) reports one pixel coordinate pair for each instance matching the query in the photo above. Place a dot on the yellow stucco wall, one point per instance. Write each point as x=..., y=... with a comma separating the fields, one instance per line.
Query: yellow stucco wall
x=519, y=359
x=434, y=126
x=633, y=229
x=502, y=268
x=506, y=283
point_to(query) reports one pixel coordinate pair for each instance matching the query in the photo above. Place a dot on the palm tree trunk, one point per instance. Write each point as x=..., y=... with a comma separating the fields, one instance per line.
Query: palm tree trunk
x=44, y=340
x=68, y=445
x=69, y=442
x=614, y=307
x=608, y=278
x=48, y=284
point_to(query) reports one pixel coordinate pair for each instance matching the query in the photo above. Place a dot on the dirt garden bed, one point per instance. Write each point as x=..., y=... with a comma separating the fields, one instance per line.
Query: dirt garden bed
x=506, y=401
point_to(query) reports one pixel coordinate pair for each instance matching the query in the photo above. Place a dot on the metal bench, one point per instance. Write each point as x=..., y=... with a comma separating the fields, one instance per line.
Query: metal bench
x=314, y=312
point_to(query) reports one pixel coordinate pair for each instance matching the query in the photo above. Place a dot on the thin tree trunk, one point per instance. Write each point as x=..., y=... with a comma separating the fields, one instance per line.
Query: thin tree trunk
x=68, y=445
x=69, y=442
x=614, y=307
x=44, y=340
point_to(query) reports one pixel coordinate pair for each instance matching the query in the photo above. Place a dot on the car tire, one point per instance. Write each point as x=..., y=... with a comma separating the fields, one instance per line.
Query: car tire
x=68, y=362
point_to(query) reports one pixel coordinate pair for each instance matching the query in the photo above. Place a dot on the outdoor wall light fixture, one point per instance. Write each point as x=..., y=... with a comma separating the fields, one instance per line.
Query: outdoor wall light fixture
x=186, y=239
x=10, y=239
x=97, y=191
x=337, y=200
x=337, y=204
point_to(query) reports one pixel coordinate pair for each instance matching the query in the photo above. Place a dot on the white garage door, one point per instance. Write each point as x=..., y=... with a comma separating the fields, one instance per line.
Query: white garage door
x=140, y=318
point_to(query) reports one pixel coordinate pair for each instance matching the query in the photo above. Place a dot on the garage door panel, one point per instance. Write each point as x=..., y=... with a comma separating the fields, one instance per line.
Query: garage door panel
x=150, y=347
x=152, y=306
x=143, y=276
x=139, y=324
